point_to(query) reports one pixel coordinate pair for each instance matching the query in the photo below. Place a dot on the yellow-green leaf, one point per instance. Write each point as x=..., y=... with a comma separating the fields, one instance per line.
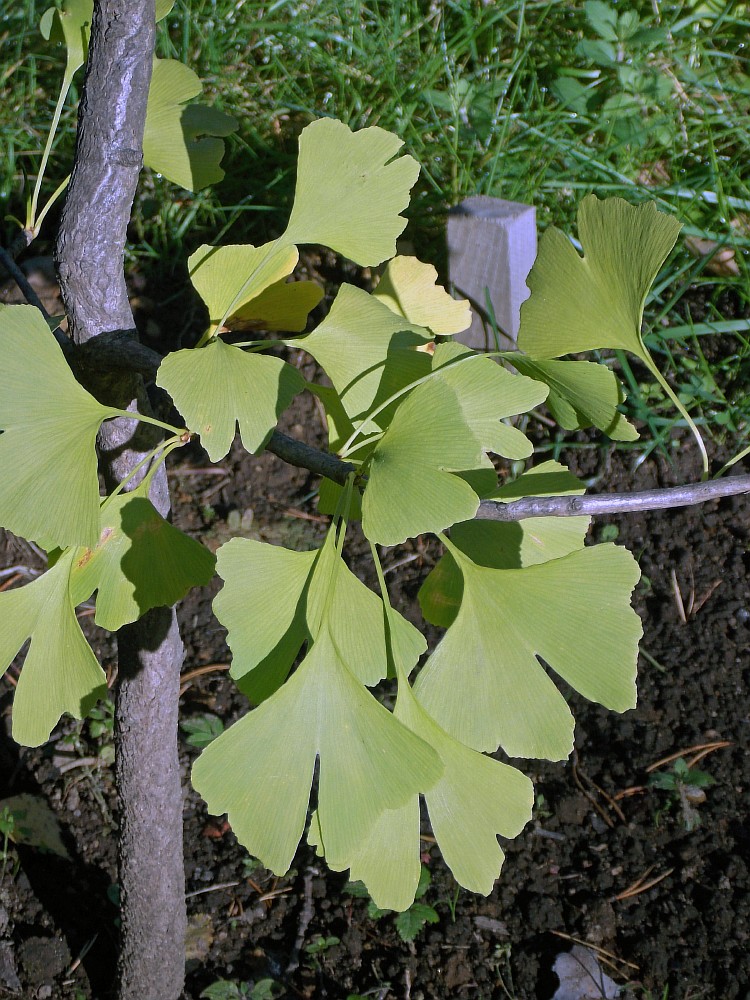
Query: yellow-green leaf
x=350, y=191
x=183, y=141
x=60, y=672
x=408, y=287
x=219, y=386
x=484, y=685
x=48, y=444
x=228, y=278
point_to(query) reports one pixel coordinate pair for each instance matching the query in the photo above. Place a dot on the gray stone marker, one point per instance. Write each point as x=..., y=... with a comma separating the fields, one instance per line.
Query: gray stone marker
x=491, y=247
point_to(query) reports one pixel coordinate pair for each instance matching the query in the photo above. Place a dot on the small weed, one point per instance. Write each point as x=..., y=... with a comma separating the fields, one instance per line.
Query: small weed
x=685, y=786
x=410, y=922
x=228, y=989
x=7, y=827
x=202, y=729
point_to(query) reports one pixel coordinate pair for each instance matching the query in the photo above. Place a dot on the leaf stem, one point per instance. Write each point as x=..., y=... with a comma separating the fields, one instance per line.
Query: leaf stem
x=135, y=415
x=31, y=222
x=160, y=452
x=646, y=357
x=347, y=449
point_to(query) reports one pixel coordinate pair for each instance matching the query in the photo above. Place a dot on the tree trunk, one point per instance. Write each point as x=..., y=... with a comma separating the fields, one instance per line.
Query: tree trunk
x=90, y=256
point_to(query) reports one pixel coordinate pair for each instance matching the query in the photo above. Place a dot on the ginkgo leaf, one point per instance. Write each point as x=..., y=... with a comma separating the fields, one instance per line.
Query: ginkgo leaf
x=350, y=191
x=48, y=444
x=140, y=562
x=265, y=644
x=60, y=672
x=285, y=305
x=367, y=351
x=410, y=489
x=474, y=800
x=484, y=685
x=71, y=25
x=487, y=393
x=228, y=278
x=181, y=140
x=582, y=394
x=583, y=303
x=408, y=287
x=219, y=386
x=368, y=762
x=506, y=545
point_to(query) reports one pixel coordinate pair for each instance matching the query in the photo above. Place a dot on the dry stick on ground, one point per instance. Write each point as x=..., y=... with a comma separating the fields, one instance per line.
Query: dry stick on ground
x=90, y=257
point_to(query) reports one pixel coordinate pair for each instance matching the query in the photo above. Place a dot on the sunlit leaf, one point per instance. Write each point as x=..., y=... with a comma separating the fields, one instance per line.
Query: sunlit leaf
x=487, y=393
x=368, y=762
x=219, y=386
x=408, y=287
x=285, y=305
x=367, y=351
x=140, y=562
x=49, y=489
x=70, y=25
x=265, y=644
x=506, y=545
x=583, y=303
x=411, y=489
x=183, y=141
x=484, y=685
x=582, y=394
x=350, y=191
x=228, y=278
x=60, y=672
x=474, y=800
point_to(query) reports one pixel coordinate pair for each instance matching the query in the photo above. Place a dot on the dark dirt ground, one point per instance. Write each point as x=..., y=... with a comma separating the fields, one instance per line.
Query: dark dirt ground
x=607, y=859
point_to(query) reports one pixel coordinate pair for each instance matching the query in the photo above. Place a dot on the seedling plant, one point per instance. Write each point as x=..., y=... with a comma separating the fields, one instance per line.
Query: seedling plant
x=413, y=418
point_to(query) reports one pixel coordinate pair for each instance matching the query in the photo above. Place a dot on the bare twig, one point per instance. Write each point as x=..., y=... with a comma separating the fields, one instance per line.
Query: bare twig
x=614, y=503
x=305, y=917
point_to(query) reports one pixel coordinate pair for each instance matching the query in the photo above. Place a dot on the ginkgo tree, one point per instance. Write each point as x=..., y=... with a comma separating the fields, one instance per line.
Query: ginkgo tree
x=420, y=425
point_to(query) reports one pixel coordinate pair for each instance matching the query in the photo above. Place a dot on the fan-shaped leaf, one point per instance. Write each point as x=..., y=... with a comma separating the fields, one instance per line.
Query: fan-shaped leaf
x=265, y=644
x=483, y=683
x=510, y=545
x=49, y=425
x=583, y=303
x=60, y=673
x=350, y=191
x=285, y=305
x=140, y=562
x=474, y=800
x=411, y=489
x=71, y=25
x=408, y=287
x=367, y=352
x=228, y=278
x=369, y=762
x=487, y=393
x=582, y=394
x=180, y=139
x=219, y=386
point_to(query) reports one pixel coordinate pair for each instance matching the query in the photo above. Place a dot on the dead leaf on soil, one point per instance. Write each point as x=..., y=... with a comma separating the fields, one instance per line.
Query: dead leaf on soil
x=581, y=977
x=199, y=937
x=721, y=259
x=35, y=824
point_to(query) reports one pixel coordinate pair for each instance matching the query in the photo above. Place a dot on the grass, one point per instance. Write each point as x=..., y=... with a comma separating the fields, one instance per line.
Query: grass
x=539, y=101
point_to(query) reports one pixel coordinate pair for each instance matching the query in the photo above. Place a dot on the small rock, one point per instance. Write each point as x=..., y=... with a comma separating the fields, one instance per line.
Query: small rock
x=43, y=959
x=498, y=928
x=8, y=976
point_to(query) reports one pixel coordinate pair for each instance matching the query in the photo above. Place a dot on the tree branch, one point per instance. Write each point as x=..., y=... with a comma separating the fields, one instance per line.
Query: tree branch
x=614, y=503
x=118, y=351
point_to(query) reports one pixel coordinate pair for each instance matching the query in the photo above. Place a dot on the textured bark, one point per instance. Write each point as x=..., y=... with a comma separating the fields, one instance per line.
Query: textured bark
x=90, y=259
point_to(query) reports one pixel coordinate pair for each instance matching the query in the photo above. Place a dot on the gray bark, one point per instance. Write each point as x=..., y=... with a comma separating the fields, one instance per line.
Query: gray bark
x=90, y=257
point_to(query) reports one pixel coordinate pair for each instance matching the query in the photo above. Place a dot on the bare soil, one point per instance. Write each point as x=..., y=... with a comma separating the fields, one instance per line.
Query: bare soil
x=608, y=859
